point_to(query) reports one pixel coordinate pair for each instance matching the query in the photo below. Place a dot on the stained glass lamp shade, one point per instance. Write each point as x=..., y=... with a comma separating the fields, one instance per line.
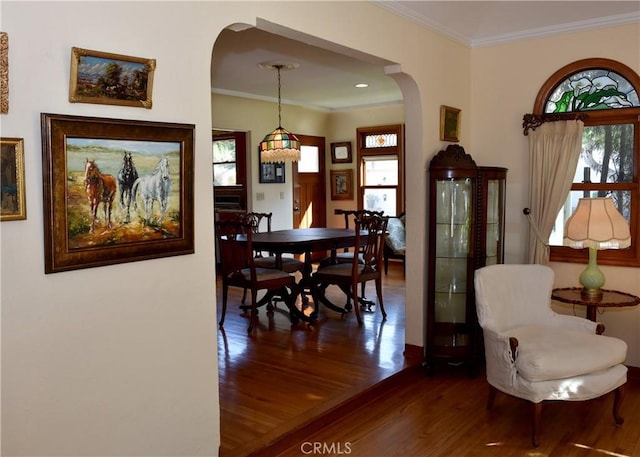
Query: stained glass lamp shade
x=596, y=224
x=280, y=145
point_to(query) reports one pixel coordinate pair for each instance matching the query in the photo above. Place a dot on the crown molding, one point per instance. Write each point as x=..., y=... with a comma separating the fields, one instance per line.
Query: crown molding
x=408, y=13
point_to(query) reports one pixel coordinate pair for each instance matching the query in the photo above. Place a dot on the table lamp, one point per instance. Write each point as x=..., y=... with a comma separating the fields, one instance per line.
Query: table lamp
x=596, y=224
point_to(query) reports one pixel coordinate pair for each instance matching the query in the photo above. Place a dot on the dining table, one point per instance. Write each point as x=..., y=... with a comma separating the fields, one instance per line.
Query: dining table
x=304, y=241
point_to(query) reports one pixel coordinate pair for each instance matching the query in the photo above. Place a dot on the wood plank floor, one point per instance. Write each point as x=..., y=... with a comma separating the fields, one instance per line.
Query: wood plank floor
x=445, y=415
x=282, y=377
x=281, y=391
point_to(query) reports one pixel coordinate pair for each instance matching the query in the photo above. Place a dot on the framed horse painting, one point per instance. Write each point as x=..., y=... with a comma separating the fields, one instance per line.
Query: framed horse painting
x=115, y=190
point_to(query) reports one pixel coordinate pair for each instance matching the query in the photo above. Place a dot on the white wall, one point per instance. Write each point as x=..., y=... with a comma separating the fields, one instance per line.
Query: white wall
x=116, y=360
x=505, y=81
x=121, y=360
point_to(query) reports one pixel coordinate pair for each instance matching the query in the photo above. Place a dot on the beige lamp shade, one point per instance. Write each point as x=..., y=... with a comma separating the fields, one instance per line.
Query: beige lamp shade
x=596, y=223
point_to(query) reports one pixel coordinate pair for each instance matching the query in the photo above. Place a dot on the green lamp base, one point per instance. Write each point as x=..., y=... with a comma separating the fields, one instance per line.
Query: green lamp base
x=592, y=278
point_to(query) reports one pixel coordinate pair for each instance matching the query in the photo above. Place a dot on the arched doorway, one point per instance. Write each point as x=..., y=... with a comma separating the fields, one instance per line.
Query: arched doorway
x=412, y=141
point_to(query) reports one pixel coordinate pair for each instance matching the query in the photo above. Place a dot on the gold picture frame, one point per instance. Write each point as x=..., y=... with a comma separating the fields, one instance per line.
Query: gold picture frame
x=449, y=124
x=4, y=73
x=110, y=79
x=13, y=206
x=342, y=184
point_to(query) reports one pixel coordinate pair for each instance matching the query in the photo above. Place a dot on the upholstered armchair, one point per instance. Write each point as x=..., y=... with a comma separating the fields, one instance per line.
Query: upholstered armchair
x=536, y=354
x=394, y=241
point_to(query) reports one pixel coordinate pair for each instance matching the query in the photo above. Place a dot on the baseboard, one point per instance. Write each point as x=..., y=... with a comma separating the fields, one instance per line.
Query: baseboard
x=633, y=373
x=414, y=355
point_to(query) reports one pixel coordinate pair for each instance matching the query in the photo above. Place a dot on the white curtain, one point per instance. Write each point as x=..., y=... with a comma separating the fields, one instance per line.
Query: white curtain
x=554, y=150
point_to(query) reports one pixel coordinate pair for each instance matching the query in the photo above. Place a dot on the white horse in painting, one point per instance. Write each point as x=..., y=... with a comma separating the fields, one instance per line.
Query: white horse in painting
x=154, y=187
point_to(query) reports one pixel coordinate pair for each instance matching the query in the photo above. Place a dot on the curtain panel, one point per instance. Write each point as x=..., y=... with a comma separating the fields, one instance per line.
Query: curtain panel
x=554, y=150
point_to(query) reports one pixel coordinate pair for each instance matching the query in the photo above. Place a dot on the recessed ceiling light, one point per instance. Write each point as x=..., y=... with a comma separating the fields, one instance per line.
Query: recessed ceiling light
x=361, y=85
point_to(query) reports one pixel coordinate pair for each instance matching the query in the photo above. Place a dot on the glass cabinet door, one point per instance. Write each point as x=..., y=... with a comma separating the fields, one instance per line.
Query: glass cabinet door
x=453, y=230
x=493, y=222
x=491, y=186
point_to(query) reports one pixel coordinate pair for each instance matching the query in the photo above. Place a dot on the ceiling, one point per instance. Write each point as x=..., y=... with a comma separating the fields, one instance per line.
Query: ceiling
x=326, y=73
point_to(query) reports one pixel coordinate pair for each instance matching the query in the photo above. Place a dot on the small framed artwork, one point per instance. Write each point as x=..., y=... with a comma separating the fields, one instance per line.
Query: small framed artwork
x=342, y=184
x=271, y=172
x=341, y=152
x=115, y=190
x=110, y=79
x=449, y=124
x=12, y=200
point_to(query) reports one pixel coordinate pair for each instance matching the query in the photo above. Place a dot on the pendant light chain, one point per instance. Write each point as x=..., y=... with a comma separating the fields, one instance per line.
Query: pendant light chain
x=278, y=67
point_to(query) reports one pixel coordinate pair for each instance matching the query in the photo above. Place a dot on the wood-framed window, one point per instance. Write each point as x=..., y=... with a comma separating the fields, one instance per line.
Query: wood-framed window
x=380, y=173
x=229, y=162
x=606, y=92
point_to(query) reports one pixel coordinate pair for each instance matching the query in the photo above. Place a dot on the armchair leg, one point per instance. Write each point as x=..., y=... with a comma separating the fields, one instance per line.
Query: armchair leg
x=619, y=395
x=536, y=408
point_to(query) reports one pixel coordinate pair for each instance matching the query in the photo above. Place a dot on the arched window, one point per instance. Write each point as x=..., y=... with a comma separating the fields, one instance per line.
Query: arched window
x=605, y=93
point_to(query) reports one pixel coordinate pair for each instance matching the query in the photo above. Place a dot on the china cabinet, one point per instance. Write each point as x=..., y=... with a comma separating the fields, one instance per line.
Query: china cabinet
x=466, y=232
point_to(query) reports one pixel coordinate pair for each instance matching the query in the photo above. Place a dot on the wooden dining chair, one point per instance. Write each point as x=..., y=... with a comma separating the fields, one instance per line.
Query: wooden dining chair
x=238, y=269
x=289, y=264
x=352, y=215
x=346, y=256
x=367, y=266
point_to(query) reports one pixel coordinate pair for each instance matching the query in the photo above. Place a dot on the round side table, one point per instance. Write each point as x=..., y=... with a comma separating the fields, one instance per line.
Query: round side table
x=609, y=299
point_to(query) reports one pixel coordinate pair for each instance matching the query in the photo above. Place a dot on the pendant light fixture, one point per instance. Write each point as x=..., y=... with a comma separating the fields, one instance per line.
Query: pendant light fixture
x=279, y=145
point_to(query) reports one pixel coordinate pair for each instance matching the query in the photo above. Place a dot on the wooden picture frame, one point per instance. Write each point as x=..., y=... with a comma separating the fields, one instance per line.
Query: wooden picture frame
x=13, y=205
x=342, y=184
x=341, y=152
x=449, y=124
x=99, y=177
x=4, y=73
x=110, y=79
x=270, y=173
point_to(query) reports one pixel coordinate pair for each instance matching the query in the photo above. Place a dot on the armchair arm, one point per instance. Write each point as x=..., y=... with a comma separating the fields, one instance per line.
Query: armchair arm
x=501, y=352
x=575, y=323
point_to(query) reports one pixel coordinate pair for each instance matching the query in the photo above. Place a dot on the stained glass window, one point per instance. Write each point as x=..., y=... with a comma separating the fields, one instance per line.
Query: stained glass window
x=385, y=140
x=592, y=89
x=606, y=91
x=380, y=169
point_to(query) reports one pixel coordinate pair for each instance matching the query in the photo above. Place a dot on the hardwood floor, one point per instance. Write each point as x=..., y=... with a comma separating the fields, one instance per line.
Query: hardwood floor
x=338, y=389
x=445, y=415
x=282, y=377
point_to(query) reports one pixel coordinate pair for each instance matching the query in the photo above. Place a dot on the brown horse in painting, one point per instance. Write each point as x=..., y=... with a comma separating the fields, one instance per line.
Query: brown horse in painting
x=100, y=188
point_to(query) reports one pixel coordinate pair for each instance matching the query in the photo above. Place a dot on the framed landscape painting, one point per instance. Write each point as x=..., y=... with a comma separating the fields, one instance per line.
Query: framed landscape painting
x=449, y=124
x=341, y=184
x=115, y=190
x=110, y=79
x=13, y=206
